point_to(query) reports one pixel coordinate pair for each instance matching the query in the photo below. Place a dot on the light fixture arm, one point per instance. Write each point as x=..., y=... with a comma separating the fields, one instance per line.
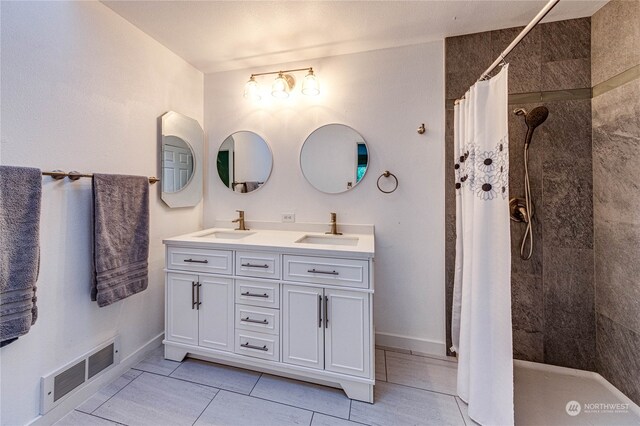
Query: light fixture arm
x=282, y=72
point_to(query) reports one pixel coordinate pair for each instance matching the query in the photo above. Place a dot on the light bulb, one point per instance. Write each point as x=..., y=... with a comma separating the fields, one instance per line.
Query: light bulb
x=280, y=88
x=310, y=85
x=252, y=90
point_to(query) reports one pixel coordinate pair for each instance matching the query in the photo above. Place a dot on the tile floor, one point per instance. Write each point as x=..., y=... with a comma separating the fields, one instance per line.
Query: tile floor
x=411, y=389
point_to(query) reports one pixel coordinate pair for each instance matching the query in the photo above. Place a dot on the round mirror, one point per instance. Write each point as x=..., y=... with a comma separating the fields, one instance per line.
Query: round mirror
x=177, y=163
x=334, y=158
x=244, y=162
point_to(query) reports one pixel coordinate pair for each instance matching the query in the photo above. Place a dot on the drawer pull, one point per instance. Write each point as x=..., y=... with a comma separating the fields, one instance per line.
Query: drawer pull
x=250, y=265
x=247, y=319
x=265, y=295
x=259, y=348
x=196, y=261
x=315, y=271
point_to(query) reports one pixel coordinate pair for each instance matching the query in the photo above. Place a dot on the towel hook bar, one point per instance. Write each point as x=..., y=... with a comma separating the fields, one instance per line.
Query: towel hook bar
x=74, y=175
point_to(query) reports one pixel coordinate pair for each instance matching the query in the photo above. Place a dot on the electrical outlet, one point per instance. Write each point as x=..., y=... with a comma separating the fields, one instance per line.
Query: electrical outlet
x=288, y=217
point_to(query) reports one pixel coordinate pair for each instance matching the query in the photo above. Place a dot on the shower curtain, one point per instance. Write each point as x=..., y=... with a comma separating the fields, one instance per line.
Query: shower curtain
x=481, y=319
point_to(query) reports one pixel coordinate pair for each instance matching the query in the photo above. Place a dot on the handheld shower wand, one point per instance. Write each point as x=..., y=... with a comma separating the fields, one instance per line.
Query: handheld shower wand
x=523, y=212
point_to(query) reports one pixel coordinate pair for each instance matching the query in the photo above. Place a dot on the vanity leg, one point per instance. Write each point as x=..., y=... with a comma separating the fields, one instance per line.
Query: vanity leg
x=174, y=354
x=358, y=391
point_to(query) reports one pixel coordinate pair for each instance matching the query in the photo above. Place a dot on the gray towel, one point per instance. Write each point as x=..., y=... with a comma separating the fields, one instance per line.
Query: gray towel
x=20, y=196
x=252, y=186
x=120, y=237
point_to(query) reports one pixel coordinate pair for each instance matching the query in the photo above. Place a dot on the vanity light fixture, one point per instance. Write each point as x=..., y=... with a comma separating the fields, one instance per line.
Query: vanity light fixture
x=283, y=84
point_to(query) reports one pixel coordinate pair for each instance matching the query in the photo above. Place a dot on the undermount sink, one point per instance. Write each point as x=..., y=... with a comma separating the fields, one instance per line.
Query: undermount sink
x=335, y=240
x=227, y=235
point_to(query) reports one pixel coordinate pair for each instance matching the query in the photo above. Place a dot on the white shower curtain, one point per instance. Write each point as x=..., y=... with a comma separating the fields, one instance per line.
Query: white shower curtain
x=481, y=320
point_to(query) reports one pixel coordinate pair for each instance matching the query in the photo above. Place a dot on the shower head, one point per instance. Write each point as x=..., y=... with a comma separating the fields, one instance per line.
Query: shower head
x=533, y=119
x=536, y=116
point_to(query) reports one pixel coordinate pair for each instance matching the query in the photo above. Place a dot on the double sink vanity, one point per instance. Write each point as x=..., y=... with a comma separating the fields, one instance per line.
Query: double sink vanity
x=286, y=302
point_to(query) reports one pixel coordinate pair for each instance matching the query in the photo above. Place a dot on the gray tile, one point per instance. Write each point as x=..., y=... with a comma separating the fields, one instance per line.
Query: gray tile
x=381, y=368
x=229, y=408
x=323, y=420
x=76, y=418
x=466, y=57
x=390, y=349
x=108, y=391
x=152, y=400
x=401, y=405
x=422, y=372
x=618, y=360
x=446, y=358
x=566, y=74
x=565, y=351
x=567, y=208
x=528, y=346
x=566, y=134
x=527, y=303
x=217, y=375
x=567, y=39
x=615, y=39
x=304, y=395
x=618, y=272
x=155, y=363
x=569, y=293
x=524, y=60
x=616, y=137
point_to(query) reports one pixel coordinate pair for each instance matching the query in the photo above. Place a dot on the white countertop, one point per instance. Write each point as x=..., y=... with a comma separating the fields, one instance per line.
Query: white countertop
x=278, y=240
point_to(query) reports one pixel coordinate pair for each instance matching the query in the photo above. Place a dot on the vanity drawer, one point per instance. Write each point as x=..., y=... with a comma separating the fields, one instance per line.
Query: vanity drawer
x=200, y=260
x=326, y=270
x=260, y=320
x=258, y=345
x=258, y=293
x=258, y=264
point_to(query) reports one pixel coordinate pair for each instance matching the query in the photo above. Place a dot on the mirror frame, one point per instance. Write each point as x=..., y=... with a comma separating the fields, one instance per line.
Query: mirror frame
x=190, y=131
x=265, y=179
x=348, y=189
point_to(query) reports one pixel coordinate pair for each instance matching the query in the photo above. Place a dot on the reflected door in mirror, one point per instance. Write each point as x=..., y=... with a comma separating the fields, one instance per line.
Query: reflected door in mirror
x=177, y=164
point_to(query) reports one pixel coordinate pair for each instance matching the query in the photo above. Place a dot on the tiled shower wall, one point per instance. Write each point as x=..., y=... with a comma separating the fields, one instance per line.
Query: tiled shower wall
x=553, y=292
x=616, y=189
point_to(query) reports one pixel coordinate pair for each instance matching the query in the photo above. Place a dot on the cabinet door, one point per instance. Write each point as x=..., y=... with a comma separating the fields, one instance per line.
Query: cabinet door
x=216, y=313
x=347, y=332
x=302, y=329
x=182, y=315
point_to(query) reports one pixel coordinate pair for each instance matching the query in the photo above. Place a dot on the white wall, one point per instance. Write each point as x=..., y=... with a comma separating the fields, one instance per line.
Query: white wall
x=384, y=95
x=82, y=89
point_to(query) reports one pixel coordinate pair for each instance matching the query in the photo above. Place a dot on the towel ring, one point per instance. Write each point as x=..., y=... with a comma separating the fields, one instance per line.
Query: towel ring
x=386, y=174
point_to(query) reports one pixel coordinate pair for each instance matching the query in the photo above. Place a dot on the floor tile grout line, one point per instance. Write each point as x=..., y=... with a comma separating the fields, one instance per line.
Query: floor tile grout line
x=205, y=408
x=350, y=404
x=313, y=413
x=256, y=383
x=108, y=399
x=460, y=409
x=386, y=373
x=422, y=389
x=100, y=417
x=341, y=418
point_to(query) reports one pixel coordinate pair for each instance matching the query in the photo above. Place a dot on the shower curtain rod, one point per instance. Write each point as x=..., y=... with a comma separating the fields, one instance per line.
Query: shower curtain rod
x=550, y=5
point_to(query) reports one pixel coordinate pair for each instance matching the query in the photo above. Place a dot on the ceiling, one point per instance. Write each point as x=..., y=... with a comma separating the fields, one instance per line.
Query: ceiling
x=218, y=36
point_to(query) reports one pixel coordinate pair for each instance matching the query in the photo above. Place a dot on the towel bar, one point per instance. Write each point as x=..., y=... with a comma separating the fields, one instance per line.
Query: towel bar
x=73, y=175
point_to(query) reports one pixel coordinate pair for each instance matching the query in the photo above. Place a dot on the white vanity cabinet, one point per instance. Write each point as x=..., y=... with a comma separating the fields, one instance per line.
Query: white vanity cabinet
x=200, y=310
x=325, y=328
x=282, y=309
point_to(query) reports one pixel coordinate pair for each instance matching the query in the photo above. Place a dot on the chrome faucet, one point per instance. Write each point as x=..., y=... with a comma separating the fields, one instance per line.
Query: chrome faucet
x=334, y=226
x=240, y=221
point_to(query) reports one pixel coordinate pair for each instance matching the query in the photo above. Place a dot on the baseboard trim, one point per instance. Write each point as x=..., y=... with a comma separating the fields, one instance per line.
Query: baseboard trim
x=92, y=387
x=408, y=343
x=546, y=368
